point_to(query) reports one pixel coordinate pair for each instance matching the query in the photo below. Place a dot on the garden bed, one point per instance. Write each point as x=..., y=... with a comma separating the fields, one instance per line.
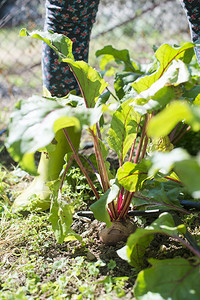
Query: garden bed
x=34, y=266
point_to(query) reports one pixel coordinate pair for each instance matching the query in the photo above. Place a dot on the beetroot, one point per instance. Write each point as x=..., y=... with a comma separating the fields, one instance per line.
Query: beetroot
x=119, y=231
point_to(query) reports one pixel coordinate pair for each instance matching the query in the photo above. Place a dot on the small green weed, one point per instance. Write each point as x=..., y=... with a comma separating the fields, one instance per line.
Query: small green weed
x=77, y=190
x=62, y=279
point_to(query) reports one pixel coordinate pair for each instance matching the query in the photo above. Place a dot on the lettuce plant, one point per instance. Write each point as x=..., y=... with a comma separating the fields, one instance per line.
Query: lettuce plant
x=139, y=95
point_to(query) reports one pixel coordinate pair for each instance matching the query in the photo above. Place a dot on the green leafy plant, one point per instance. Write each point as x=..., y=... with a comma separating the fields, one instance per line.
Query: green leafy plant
x=172, y=278
x=38, y=120
x=182, y=279
x=153, y=109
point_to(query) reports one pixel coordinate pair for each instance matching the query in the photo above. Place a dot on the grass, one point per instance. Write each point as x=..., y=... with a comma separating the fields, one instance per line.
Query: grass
x=34, y=266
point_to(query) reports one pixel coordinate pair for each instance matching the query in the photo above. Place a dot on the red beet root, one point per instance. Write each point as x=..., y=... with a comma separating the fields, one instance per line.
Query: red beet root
x=119, y=231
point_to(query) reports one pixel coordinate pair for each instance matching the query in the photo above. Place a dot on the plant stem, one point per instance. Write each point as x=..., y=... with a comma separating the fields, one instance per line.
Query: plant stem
x=94, y=169
x=134, y=142
x=174, y=132
x=98, y=131
x=120, y=199
x=82, y=93
x=103, y=173
x=179, y=130
x=126, y=203
x=101, y=165
x=76, y=157
x=100, y=161
x=129, y=199
x=187, y=234
x=176, y=139
x=146, y=139
x=175, y=180
x=192, y=249
x=65, y=172
x=113, y=211
x=112, y=94
x=144, y=147
x=126, y=199
x=163, y=203
x=137, y=156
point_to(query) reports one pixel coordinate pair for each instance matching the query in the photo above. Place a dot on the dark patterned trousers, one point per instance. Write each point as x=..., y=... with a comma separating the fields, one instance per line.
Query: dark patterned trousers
x=192, y=9
x=75, y=19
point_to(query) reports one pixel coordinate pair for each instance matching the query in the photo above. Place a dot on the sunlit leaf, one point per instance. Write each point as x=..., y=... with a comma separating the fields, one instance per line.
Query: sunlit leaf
x=131, y=176
x=165, y=121
x=164, y=161
x=90, y=81
x=119, y=56
x=123, y=129
x=163, y=90
x=99, y=208
x=35, y=121
x=197, y=99
x=165, y=55
x=122, y=82
x=61, y=44
x=186, y=167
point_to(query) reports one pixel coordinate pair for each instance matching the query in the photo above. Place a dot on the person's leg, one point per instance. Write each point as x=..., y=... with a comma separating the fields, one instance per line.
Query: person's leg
x=74, y=18
x=192, y=10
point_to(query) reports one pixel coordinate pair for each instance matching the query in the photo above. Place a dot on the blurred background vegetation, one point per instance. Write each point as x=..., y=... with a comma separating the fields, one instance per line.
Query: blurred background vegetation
x=131, y=24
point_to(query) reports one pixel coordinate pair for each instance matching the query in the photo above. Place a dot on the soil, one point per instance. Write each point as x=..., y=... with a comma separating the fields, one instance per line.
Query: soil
x=161, y=247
